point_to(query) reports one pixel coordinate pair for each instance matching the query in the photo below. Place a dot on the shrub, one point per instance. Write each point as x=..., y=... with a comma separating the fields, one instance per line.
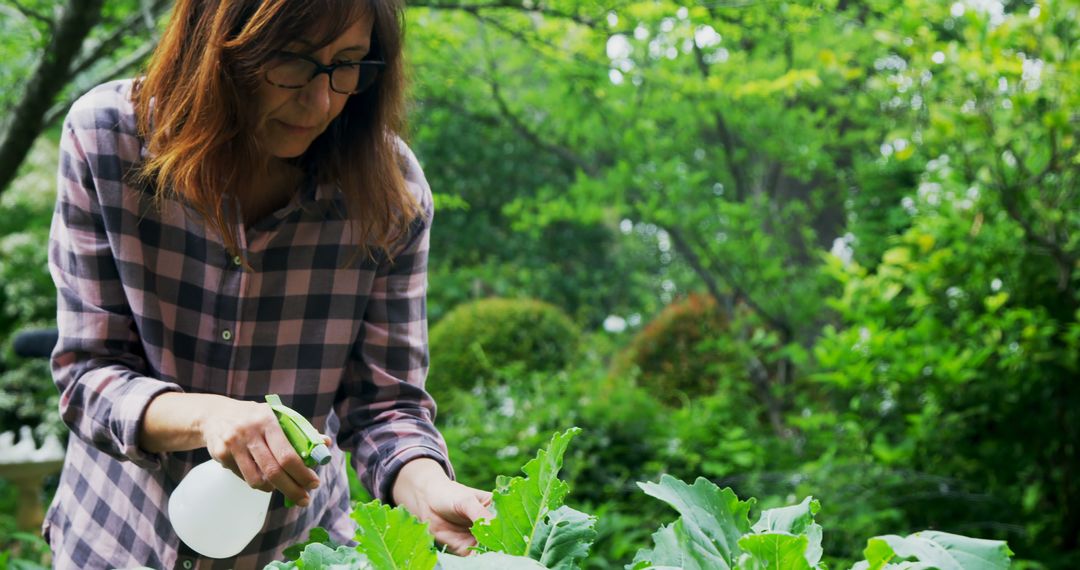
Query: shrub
x=676, y=354
x=475, y=339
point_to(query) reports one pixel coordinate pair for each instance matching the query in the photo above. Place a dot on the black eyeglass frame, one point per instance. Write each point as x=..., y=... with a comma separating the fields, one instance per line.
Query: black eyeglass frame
x=329, y=70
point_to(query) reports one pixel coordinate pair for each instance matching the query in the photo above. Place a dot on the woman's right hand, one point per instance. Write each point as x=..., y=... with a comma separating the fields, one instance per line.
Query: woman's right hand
x=246, y=438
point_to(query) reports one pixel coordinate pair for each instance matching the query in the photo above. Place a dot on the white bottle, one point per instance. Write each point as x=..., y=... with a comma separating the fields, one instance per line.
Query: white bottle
x=215, y=512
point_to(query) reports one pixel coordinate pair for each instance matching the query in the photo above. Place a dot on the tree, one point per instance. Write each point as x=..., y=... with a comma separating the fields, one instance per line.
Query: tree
x=87, y=43
x=733, y=129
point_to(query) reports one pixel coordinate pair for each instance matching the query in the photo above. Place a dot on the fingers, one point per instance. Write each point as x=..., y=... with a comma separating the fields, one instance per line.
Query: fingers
x=453, y=530
x=456, y=541
x=287, y=458
x=290, y=462
x=248, y=470
x=277, y=474
x=249, y=441
x=475, y=508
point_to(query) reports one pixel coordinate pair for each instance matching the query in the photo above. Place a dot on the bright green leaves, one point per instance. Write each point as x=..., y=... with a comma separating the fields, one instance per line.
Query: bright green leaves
x=795, y=519
x=392, y=538
x=785, y=532
x=318, y=556
x=774, y=550
x=707, y=533
x=530, y=519
x=714, y=532
x=563, y=538
x=533, y=530
x=520, y=504
x=934, y=550
x=316, y=536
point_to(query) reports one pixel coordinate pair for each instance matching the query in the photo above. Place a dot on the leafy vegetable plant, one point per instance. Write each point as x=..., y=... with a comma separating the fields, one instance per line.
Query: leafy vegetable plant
x=534, y=530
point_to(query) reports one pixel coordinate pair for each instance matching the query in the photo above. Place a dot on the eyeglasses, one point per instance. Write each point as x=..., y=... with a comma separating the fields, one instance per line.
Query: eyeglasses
x=293, y=71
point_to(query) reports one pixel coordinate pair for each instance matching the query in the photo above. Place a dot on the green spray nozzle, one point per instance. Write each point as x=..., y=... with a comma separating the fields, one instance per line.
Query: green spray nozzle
x=305, y=439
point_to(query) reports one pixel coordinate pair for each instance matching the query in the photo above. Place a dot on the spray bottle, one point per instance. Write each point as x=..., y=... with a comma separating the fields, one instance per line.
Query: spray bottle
x=216, y=513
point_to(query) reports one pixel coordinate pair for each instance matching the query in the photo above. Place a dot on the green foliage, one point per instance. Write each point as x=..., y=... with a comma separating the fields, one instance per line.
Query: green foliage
x=29, y=398
x=680, y=353
x=477, y=338
x=27, y=294
x=563, y=538
x=19, y=550
x=945, y=342
x=317, y=535
x=624, y=432
x=707, y=533
x=392, y=539
x=320, y=556
x=713, y=532
x=934, y=549
x=530, y=518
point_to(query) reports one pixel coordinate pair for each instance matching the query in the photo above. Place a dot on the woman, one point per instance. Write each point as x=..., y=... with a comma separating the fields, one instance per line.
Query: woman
x=243, y=220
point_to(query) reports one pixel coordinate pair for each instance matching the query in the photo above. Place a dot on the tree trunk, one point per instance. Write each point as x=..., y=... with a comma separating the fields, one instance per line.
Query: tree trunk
x=52, y=74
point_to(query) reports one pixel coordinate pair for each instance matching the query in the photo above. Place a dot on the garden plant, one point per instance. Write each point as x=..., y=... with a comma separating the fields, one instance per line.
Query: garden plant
x=534, y=529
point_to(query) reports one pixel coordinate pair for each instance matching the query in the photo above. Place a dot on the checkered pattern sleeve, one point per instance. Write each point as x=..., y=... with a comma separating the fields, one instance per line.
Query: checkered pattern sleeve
x=387, y=416
x=98, y=364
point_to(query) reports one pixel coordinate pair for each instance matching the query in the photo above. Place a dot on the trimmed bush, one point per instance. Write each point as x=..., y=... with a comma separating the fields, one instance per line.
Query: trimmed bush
x=475, y=340
x=682, y=352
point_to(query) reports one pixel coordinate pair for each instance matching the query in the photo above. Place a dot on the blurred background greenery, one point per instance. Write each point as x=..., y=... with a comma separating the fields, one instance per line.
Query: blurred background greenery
x=797, y=247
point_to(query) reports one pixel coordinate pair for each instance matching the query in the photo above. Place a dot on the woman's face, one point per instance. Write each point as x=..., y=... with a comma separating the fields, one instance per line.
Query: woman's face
x=290, y=119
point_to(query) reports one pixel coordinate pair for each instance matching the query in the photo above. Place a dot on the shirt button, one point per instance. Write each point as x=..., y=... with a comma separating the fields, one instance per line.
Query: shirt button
x=226, y=334
x=187, y=565
x=237, y=261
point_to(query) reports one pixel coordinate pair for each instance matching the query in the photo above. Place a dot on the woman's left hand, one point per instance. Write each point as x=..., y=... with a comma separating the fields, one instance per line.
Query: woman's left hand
x=448, y=507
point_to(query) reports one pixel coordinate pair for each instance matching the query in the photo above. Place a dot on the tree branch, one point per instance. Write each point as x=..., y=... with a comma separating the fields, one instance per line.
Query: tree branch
x=533, y=42
x=759, y=374
x=1010, y=199
x=528, y=134
x=123, y=30
x=49, y=78
x=682, y=245
x=32, y=14
x=728, y=141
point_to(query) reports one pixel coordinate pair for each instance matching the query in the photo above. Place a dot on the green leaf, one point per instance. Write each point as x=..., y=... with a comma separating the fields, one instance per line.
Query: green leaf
x=322, y=557
x=707, y=533
x=897, y=256
x=564, y=537
x=318, y=535
x=878, y=553
x=393, y=538
x=520, y=504
x=488, y=561
x=775, y=550
x=796, y=520
x=665, y=552
x=934, y=549
x=318, y=556
x=996, y=301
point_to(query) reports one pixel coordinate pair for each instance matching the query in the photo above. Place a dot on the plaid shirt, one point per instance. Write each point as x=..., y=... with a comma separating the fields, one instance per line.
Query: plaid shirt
x=152, y=302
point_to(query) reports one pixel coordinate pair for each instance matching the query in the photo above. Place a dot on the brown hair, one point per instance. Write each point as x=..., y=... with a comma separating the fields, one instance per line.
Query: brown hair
x=192, y=111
